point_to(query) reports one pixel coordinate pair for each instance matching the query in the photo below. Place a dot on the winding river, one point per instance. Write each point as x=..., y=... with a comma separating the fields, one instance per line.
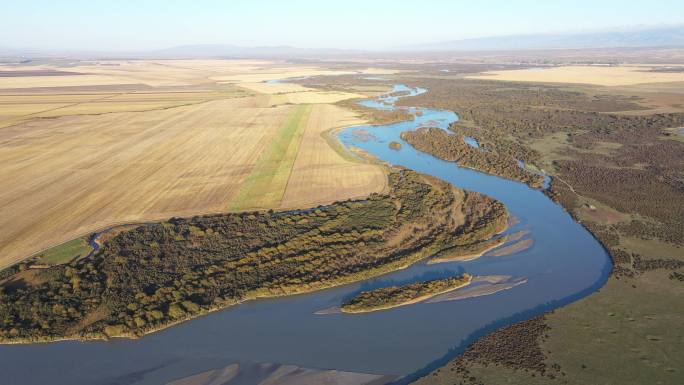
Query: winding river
x=564, y=264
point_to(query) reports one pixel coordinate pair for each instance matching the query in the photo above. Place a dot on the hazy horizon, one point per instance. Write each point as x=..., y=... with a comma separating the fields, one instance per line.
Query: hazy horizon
x=155, y=24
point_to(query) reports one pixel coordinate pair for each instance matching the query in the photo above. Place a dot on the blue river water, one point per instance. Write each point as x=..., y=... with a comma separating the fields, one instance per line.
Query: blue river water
x=564, y=264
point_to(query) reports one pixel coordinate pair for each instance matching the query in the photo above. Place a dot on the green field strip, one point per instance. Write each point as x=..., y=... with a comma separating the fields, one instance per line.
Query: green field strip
x=65, y=252
x=265, y=185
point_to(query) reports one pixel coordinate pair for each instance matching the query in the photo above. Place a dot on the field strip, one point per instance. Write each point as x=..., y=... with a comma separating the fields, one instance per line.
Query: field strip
x=27, y=117
x=265, y=185
x=321, y=173
x=72, y=105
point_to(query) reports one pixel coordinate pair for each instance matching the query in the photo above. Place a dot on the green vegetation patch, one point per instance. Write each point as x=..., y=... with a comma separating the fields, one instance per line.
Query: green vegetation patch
x=265, y=185
x=395, y=296
x=159, y=274
x=453, y=148
x=65, y=252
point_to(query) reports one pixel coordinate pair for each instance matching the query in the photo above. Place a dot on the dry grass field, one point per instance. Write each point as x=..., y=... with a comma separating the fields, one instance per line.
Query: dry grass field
x=596, y=75
x=15, y=108
x=167, y=140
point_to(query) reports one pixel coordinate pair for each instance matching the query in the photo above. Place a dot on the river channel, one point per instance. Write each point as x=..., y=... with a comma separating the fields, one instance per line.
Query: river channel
x=563, y=264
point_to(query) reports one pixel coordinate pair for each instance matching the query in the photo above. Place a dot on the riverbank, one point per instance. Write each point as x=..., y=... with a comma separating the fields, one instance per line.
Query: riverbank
x=467, y=253
x=161, y=274
x=591, y=148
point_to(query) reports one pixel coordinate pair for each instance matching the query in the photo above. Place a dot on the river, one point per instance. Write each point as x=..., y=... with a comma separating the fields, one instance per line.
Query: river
x=564, y=264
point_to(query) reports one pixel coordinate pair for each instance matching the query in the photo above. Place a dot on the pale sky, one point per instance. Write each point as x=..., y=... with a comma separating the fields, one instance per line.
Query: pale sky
x=131, y=25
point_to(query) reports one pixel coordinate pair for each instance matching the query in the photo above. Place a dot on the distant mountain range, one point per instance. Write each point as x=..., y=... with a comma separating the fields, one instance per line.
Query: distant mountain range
x=227, y=50
x=194, y=51
x=642, y=37
x=663, y=36
x=204, y=51
x=633, y=37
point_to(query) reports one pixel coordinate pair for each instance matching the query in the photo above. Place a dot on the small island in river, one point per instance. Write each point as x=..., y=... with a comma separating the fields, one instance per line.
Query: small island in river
x=395, y=296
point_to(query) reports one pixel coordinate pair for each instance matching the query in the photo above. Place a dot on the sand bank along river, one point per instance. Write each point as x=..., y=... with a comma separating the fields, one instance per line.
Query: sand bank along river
x=563, y=264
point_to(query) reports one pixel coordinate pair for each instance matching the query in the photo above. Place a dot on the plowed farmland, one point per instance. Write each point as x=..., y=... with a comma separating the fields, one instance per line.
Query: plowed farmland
x=143, y=145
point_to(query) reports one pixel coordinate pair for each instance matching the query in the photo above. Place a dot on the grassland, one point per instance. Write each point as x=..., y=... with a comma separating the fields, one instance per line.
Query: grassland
x=586, y=333
x=143, y=140
x=159, y=274
x=626, y=334
x=66, y=252
x=395, y=296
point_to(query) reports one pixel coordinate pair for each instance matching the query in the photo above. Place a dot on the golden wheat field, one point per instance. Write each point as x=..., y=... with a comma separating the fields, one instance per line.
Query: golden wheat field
x=138, y=141
x=596, y=75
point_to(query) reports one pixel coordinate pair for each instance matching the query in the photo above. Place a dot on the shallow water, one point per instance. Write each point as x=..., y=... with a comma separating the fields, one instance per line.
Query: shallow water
x=565, y=263
x=279, y=81
x=472, y=142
